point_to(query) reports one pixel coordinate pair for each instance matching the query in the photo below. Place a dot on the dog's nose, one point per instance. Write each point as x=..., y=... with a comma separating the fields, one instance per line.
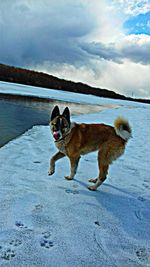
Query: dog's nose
x=56, y=135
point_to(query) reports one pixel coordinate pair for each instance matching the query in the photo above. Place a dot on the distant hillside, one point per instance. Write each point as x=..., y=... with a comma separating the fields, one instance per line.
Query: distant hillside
x=30, y=77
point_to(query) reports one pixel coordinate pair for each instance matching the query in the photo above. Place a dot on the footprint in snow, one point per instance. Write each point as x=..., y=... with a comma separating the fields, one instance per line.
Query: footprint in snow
x=15, y=242
x=46, y=242
x=7, y=253
x=142, y=199
x=24, y=228
x=70, y=191
x=142, y=255
x=20, y=225
x=38, y=208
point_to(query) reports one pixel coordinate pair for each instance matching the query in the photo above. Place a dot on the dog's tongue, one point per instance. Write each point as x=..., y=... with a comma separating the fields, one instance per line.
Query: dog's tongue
x=56, y=135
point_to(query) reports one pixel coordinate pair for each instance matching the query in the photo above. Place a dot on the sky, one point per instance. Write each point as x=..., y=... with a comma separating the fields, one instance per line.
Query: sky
x=105, y=44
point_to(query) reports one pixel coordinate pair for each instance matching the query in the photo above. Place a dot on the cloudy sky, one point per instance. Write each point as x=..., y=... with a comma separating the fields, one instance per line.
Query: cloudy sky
x=99, y=42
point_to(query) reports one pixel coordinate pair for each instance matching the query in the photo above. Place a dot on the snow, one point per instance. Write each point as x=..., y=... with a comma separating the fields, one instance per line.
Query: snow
x=49, y=221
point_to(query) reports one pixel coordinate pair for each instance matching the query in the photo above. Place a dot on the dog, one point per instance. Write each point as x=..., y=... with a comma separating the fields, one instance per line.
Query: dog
x=73, y=140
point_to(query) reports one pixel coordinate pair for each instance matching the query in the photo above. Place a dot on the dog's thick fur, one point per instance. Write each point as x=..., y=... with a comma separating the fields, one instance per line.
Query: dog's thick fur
x=74, y=140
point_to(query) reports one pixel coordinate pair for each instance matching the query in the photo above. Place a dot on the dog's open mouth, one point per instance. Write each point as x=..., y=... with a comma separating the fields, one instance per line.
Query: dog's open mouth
x=56, y=135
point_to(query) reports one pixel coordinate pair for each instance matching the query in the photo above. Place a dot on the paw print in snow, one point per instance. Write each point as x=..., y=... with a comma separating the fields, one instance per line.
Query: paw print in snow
x=15, y=242
x=20, y=225
x=45, y=241
x=7, y=253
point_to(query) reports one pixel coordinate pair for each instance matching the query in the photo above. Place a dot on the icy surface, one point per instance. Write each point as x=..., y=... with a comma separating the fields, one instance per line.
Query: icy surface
x=48, y=221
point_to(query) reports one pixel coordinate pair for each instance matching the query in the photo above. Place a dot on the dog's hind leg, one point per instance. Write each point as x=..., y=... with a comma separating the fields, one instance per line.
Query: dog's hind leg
x=98, y=181
x=103, y=170
x=56, y=157
x=73, y=165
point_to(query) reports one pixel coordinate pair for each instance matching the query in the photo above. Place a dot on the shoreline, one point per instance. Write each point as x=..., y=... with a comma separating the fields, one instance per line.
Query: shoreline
x=87, y=108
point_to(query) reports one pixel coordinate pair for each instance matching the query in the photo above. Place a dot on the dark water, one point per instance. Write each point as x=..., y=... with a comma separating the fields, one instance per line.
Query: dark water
x=19, y=115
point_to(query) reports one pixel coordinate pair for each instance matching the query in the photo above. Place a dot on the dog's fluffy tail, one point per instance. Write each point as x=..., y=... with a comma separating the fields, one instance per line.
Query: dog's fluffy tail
x=122, y=128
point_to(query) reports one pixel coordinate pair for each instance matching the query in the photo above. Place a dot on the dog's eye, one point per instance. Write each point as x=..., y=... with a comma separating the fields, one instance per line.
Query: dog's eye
x=55, y=125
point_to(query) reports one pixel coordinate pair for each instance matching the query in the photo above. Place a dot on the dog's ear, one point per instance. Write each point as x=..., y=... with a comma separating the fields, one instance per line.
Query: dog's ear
x=55, y=112
x=66, y=114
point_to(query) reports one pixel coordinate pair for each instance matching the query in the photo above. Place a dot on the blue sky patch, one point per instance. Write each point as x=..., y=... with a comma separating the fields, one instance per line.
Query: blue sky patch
x=139, y=24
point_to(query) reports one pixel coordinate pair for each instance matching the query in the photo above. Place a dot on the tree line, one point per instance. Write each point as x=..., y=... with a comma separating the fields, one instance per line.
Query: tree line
x=40, y=79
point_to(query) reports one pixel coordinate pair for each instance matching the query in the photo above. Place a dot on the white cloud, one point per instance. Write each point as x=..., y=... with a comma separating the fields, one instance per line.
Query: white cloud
x=128, y=78
x=132, y=7
x=109, y=21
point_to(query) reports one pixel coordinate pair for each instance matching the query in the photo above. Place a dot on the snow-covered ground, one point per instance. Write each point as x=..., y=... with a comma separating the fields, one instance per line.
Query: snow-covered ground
x=47, y=221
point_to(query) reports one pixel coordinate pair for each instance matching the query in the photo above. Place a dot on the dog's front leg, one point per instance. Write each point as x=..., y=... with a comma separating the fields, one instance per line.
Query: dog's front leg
x=73, y=165
x=56, y=157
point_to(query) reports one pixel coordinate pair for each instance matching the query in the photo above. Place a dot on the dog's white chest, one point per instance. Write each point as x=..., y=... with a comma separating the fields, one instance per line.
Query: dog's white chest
x=61, y=146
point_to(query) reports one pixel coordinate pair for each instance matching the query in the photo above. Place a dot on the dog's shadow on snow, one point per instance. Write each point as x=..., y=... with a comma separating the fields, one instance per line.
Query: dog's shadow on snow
x=130, y=210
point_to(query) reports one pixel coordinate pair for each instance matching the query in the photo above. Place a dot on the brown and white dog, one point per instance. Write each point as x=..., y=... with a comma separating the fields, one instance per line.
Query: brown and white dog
x=74, y=140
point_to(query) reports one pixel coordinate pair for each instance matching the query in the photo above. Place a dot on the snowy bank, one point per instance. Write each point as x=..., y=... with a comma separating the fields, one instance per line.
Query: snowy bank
x=48, y=221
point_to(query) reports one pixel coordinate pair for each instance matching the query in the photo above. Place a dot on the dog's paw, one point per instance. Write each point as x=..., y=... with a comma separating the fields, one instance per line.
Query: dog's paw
x=68, y=177
x=50, y=172
x=93, y=180
x=92, y=187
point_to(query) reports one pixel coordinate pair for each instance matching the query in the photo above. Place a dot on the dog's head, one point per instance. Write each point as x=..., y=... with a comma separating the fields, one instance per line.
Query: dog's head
x=60, y=123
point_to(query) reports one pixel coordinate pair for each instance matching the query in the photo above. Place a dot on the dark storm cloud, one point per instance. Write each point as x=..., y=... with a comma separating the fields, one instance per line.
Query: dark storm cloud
x=107, y=52
x=134, y=52
x=138, y=53
x=42, y=32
